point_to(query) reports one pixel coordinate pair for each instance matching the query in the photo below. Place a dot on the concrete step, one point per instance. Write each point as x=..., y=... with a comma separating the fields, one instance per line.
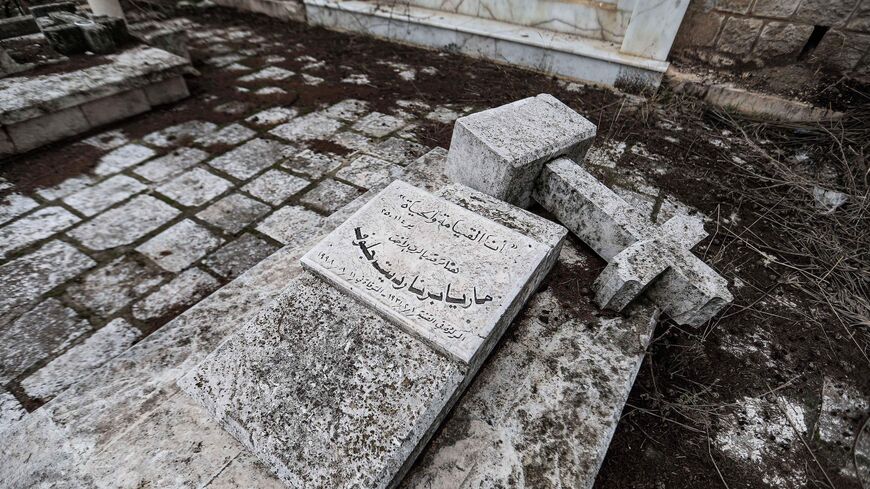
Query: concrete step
x=558, y=53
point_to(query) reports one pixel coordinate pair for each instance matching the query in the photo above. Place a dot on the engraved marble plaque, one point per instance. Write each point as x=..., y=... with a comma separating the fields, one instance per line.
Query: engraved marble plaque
x=441, y=272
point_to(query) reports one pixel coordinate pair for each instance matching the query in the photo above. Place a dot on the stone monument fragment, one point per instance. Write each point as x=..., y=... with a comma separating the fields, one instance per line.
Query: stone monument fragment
x=529, y=150
x=341, y=382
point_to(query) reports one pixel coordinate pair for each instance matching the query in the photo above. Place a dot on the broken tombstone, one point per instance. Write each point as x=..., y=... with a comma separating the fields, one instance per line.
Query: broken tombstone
x=529, y=150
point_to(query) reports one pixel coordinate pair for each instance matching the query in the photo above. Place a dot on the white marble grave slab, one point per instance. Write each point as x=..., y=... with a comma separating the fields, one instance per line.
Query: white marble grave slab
x=444, y=274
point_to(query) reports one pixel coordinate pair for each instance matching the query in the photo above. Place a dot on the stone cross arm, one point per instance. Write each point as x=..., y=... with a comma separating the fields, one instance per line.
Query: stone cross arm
x=529, y=149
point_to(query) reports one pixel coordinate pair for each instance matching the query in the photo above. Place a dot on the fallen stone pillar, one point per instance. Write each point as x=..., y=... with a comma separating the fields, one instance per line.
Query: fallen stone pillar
x=529, y=150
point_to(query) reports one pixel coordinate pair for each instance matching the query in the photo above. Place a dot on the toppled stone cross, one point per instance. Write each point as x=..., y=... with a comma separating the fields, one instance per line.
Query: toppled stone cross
x=529, y=149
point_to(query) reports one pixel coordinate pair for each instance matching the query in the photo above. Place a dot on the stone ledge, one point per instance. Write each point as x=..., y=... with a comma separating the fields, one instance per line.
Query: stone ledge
x=537, y=49
x=42, y=109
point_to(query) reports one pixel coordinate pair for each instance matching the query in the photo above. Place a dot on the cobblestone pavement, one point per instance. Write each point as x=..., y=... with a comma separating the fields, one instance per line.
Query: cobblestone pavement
x=99, y=260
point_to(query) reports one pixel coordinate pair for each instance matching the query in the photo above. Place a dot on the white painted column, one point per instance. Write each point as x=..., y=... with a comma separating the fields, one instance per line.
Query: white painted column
x=112, y=8
x=653, y=27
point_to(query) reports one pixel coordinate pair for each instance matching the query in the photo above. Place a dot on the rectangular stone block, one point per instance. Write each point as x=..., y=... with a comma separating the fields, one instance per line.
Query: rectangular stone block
x=115, y=107
x=167, y=91
x=48, y=128
x=500, y=151
x=442, y=273
x=18, y=26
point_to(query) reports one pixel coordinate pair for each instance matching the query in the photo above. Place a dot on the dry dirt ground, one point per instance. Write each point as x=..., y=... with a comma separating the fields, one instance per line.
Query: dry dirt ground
x=773, y=392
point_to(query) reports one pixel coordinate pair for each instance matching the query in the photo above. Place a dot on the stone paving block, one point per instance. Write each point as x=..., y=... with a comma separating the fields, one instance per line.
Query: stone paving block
x=275, y=186
x=34, y=227
x=125, y=224
x=234, y=107
x=180, y=293
x=399, y=151
x=312, y=164
x=367, y=171
x=122, y=158
x=330, y=195
x=11, y=411
x=24, y=279
x=270, y=73
x=378, y=125
x=44, y=330
x=93, y=200
x=275, y=90
x=109, y=288
x=348, y=110
x=195, y=187
x=291, y=225
x=177, y=161
x=67, y=187
x=352, y=140
x=80, y=360
x=224, y=60
x=233, y=212
x=501, y=151
x=179, y=246
x=383, y=390
x=13, y=205
x=311, y=126
x=443, y=115
x=250, y=158
x=107, y=140
x=238, y=256
x=179, y=134
x=273, y=116
x=231, y=135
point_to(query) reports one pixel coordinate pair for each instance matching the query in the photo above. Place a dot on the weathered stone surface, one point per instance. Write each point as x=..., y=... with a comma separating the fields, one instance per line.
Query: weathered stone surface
x=236, y=257
x=275, y=186
x=841, y=50
x=122, y=158
x=782, y=38
x=80, y=360
x=825, y=12
x=860, y=21
x=24, y=279
x=291, y=225
x=311, y=126
x=775, y=8
x=368, y=171
x=312, y=164
x=46, y=329
x=179, y=134
x=23, y=98
x=428, y=171
x=273, y=116
x=93, y=200
x=352, y=140
x=378, y=125
x=738, y=35
x=179, y=246
x=330, y=195
x=233, y=212
x=37, y=131
x=371, y=392
x=10, y=410
x=125, y=224
x=13, y=205
x=423, y=268
x=500, y=151
x=735, y=6
x=252, y=157
x=109, y=288
x=34, y=227
x=399, y=151
x=180, y=293
x=66, y=187
x=107, y=140
x=232, y=135
x=699, y=29
x=172, y=163
x=843, y=408
x=270, y=73
x=194, y=188
x=347, y=110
